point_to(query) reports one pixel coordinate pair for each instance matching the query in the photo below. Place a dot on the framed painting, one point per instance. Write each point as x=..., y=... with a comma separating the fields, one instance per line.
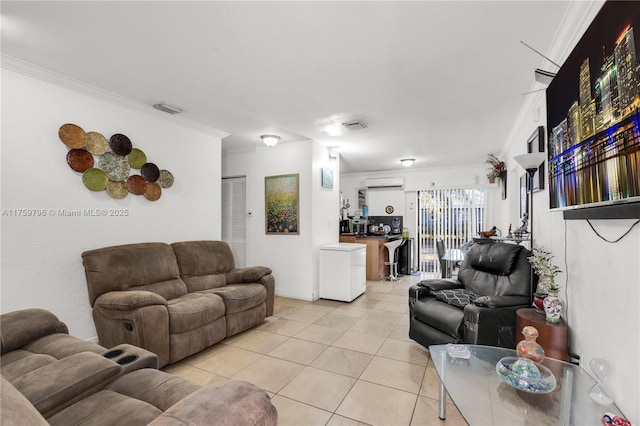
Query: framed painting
x=327, y=178
x=282, y=204
x=535, y=143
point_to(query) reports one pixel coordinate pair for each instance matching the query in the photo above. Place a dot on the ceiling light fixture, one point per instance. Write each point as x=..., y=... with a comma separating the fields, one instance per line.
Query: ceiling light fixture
x=171, y=109
x=270, y=140
x=408, y=162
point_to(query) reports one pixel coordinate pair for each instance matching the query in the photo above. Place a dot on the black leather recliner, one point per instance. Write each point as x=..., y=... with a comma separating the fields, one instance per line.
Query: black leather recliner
x=479, y=307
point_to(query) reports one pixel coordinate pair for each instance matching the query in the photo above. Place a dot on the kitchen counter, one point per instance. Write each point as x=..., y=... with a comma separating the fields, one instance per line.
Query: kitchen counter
x=377, y=253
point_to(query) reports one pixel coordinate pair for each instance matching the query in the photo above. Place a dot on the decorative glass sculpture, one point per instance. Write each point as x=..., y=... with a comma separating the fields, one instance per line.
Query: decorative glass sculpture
x=529, y=348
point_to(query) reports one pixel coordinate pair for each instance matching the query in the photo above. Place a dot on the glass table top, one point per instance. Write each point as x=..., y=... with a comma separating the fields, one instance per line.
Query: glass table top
x=483, y=398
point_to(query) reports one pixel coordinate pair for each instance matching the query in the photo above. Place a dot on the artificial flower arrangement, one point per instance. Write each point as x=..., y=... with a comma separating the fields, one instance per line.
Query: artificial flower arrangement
x=545, y=268
x=496, y=168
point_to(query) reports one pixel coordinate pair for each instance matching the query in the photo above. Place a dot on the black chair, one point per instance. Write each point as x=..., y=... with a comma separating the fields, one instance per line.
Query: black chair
x=446, y=267
x=479, y=306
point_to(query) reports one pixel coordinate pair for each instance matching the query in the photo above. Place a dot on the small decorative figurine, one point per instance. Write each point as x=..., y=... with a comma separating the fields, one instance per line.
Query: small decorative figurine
x=529, y=348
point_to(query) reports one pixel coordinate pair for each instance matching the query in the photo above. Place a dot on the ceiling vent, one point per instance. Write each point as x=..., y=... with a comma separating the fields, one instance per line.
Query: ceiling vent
x=354, y=125
x=171, y=109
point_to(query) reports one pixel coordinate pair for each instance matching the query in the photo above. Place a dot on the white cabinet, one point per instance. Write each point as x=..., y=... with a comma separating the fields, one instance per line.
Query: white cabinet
x=343, y=271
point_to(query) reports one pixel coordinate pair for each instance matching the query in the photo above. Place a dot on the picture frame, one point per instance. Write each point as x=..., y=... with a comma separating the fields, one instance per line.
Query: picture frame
x=282, y=204
x=362, y=198
x=327, y=178
x=536, y=142
x=524, y=195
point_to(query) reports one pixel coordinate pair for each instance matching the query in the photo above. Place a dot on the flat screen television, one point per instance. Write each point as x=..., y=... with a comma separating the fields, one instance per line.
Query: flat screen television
x=593, y=115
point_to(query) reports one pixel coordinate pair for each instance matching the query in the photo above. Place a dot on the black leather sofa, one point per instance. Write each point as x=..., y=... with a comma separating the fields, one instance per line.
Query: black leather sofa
x=479, y=307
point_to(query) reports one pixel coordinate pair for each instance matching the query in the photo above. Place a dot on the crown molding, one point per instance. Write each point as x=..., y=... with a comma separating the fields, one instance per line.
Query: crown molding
x=575, y=21
x=34, y=71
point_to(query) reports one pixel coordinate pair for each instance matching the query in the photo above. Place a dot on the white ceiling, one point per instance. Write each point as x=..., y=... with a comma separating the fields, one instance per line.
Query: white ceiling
x=440, y=81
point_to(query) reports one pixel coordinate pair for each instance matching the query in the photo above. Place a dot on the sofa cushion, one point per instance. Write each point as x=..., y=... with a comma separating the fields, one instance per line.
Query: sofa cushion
x=17, y=363
x=106, y=408
x=203, y=264
x=194, y=310
x=240, y=297
x=26, y=325
x=54, y=386
x=459, y=297
x=144, y=266
x=496, y=259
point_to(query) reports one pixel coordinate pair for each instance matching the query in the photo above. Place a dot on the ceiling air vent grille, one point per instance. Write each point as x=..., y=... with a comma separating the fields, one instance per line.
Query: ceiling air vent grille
x=354, y=125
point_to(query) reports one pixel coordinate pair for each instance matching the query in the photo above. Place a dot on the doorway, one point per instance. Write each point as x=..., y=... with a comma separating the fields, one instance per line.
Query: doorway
x=234, y=217
x=453, y=216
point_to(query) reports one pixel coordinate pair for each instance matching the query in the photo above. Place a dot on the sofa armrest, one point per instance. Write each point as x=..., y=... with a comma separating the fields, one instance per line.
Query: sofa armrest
x=19, y=328
x=440, y=284
x=129, y=300
x=225, y=402
x=252, y=274
x=501, y=301
x=16, y=409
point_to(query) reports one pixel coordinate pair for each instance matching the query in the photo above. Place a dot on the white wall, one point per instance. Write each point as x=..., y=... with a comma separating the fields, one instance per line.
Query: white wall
x=293, y=258
x=41, y=263
x=601, y=282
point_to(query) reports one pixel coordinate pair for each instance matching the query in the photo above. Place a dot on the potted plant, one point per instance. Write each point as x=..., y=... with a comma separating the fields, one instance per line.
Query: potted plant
x=496, y=168
x=541, y=262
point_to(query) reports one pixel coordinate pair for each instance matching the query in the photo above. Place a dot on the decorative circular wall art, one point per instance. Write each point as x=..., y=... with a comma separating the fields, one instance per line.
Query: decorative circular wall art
x=114, y=158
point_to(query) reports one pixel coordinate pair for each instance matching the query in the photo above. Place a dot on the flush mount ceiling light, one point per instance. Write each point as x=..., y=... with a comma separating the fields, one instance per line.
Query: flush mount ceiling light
x=270, y=140
x=408, y=162
x=171, y=109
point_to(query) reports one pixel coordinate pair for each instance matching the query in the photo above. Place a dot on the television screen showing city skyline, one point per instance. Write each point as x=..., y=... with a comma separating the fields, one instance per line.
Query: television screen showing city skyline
x=593, y=138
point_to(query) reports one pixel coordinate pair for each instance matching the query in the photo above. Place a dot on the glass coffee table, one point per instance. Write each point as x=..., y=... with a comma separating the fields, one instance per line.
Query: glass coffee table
x=484, y=399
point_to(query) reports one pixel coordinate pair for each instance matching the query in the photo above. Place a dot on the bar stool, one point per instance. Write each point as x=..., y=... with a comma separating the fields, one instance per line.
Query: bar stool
x=393, y=264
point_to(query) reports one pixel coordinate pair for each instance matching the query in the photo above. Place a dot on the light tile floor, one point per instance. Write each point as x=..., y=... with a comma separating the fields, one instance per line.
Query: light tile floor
x=333, y=363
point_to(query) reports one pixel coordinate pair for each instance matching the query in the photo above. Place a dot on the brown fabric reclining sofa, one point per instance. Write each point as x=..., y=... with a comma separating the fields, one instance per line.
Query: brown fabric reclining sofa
x=51, y=378
x=174, y=299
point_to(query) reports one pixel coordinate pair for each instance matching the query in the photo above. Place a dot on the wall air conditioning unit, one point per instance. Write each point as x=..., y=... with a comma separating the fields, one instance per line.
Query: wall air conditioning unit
x=385, y=183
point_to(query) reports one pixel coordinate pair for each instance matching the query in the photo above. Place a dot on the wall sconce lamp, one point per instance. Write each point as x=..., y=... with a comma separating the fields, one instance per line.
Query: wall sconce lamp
x=270, y=140
x=333, y=154
x=407, y=162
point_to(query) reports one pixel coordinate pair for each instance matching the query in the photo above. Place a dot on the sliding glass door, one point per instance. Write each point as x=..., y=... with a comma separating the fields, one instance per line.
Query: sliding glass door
x=454, y=216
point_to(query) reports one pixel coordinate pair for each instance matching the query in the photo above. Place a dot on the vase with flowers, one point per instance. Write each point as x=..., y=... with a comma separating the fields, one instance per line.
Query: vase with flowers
x=542, y=263
x=496, y=169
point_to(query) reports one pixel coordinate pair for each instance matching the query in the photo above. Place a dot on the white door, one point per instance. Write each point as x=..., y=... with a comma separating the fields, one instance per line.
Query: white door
x=234, y=217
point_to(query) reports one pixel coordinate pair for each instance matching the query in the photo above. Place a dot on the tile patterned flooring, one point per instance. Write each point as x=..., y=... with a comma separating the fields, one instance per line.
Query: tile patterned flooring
x=333, y=363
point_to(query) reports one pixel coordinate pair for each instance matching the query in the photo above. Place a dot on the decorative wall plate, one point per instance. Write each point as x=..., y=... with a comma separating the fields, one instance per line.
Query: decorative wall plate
x=150, y=172
x=79, y=160
x=106, y=164
x=136, y=158
x=120, y=144
x=153, y=191
x=389, y=209
x=95, y=179
x=96, y=143
x=115, y=166
x=72, y=135
x=166, y=179
x=136, y=185
x=117, y=190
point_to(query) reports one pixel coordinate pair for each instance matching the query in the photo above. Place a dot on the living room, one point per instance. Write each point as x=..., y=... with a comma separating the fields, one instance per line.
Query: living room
x=41, y=264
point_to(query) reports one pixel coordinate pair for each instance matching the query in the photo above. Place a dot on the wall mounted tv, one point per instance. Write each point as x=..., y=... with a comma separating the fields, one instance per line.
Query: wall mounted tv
x=593, y=115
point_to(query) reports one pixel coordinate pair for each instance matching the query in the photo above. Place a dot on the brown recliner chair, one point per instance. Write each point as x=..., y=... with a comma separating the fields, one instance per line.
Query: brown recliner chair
x=479, y=307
